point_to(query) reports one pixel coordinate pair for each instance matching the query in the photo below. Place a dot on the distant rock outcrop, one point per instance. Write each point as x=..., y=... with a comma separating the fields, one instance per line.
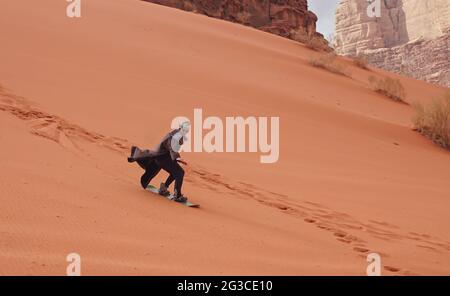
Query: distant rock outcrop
x=410, y=37
x=287, y=18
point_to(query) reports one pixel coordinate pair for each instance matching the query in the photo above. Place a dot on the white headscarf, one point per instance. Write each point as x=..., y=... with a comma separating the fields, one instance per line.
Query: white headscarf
x=185, y=127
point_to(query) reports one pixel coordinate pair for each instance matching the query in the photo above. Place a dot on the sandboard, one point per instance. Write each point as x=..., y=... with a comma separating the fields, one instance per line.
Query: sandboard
x=187, y=203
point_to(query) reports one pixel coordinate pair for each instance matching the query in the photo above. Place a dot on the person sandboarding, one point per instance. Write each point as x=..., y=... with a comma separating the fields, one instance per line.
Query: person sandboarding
x=165, y=156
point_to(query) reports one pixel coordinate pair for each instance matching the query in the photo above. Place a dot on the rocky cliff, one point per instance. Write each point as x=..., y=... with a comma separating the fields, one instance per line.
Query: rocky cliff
x=410, y=37
x=287, y=18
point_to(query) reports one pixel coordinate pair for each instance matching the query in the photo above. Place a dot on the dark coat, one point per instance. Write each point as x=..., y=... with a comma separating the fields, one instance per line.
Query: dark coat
x=144, y=157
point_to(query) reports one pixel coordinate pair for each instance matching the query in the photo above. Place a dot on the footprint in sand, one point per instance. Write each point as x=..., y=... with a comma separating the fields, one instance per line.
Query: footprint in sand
x=344, y=240
x=392, y=269
x=340, y=234
x=361, y=250
x=308, y=220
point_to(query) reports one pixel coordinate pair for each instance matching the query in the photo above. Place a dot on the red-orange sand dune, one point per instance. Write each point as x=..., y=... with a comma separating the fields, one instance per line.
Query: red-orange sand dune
x=352, y=177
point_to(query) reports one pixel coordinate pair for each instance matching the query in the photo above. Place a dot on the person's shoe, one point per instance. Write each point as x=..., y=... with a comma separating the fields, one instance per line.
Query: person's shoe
x=179, y=197
x=163, y=190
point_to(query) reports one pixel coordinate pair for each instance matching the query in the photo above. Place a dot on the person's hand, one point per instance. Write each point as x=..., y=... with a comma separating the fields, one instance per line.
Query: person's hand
x=181, y=161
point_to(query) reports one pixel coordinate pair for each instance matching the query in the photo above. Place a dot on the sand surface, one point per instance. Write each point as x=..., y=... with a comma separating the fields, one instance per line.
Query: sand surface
x=352, y=177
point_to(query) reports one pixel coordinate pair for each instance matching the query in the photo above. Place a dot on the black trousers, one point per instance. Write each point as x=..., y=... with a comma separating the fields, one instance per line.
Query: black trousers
x=165, y=162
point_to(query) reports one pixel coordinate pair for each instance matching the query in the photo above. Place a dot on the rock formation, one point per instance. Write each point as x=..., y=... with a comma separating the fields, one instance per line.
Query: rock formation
x=410, y=36
x=287, y=18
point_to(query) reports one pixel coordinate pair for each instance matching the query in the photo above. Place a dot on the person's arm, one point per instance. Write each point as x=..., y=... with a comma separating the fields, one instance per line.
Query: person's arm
x=174, y=155
x=168, y=146
x=181, y=161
